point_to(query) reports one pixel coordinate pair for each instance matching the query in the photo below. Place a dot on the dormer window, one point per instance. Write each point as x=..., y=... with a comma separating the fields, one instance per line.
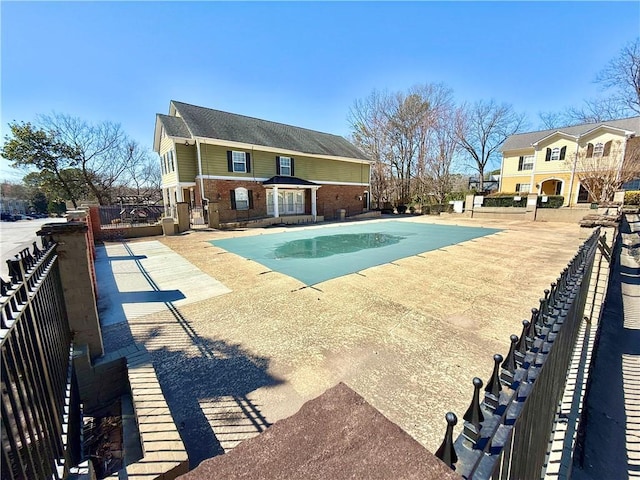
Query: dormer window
x=555, y=154
x=598, y=149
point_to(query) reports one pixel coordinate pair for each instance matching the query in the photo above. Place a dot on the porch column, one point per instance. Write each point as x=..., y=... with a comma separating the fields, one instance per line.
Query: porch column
x=314, y=209
x=276, y=211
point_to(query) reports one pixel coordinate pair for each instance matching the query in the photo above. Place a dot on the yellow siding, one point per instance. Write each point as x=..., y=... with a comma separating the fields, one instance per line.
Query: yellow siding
x=508, y=185
x=169, y=179
x=187, y=162
x=166, y=144
x=263, y=165
x=555, y=166
x=511, y=159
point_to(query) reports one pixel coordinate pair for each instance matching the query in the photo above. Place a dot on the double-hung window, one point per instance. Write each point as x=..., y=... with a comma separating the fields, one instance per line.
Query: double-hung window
x=285, y=166
x=239, y=161
x=523, y=187
x=526, y=162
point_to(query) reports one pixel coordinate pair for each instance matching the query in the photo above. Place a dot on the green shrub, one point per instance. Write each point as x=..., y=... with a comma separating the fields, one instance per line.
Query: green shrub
x=632, y=197
x=553, y=201
x=505, y=200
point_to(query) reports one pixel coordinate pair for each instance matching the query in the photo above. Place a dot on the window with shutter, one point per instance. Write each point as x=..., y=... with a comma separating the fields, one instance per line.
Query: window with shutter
x=555, y=154
x=238, y=161
x=598, y=149
x=285, y=166
x=241, y=197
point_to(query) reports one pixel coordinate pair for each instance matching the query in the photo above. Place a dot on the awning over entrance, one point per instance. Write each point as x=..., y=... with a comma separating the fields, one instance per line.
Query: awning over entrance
x=288, y=187
x=283, y=181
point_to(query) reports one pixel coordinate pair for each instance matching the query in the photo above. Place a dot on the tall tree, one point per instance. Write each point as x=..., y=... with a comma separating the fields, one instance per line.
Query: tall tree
x=394, y=130
x=622, y=76
x=441, y=152
x=481, y=129
x=32, y=147
x=102, y=152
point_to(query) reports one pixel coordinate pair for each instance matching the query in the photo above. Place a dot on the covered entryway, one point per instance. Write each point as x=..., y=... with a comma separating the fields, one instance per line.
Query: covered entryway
x=287, y=196
x=552, y=186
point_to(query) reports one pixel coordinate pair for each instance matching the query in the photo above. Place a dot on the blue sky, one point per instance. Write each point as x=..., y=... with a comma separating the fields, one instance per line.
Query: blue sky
x=300, y=63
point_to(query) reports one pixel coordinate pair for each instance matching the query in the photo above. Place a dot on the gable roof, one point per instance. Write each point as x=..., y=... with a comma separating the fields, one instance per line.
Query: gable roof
x=208, y=123
x=526, y=140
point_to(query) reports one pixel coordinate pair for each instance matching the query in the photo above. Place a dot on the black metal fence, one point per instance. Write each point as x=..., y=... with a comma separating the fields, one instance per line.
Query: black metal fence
x=40, y=402
x=506, y=435
x=116, y=216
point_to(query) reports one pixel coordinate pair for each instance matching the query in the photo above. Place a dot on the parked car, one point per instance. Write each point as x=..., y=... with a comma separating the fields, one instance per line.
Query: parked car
x=7, y=217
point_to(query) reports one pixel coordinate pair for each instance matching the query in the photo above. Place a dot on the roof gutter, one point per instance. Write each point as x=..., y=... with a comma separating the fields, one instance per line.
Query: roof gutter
x=201, y=177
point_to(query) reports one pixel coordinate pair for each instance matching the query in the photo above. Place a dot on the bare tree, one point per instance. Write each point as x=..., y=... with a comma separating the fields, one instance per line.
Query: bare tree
x=622, y=75
x=603, y=172
x=142, y=177
x=441, y=146
x=394, y=130
x=102, y=152
x=482, y=128
x=592, y=111
x=369, y=133
x=619, y=80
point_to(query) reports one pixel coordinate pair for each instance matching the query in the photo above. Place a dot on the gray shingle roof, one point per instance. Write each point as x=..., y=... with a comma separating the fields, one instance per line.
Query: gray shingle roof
x=216, y=124
x=174, y=126
x=524, y=140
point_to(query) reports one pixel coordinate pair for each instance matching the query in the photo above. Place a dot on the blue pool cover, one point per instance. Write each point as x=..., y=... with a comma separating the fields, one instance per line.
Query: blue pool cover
x=319, y=254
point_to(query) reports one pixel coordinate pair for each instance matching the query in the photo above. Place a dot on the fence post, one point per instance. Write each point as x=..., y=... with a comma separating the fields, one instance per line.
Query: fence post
x=77, y=285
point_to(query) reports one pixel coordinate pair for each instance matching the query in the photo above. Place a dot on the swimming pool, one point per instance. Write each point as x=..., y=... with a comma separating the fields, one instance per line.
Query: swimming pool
x=318, y=254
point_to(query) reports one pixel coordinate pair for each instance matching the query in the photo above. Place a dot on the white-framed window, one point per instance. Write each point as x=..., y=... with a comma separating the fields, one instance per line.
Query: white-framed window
x=285, y=166
x=555, y=154
x=242, y=198
x=598, y=148
x=526, y=162
x=523, y=187
x=239, y=160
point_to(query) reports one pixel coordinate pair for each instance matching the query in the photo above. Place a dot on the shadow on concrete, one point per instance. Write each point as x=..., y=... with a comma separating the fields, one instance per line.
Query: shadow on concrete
x=206, y=382
x=604, y=451
x=112, y=301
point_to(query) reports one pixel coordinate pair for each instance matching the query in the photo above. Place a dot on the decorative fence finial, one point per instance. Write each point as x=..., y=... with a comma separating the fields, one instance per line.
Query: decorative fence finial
x=493, y=388
x=523, y=343
x=473, y=416
x=509, y=365
x=447, y=452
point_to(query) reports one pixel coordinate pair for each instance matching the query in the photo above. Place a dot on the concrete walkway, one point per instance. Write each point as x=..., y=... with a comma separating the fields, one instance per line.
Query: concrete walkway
x=612, y=440
x=137, y=279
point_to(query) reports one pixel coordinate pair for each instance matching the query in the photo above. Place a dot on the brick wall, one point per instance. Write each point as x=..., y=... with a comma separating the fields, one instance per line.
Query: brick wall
x=330, y=198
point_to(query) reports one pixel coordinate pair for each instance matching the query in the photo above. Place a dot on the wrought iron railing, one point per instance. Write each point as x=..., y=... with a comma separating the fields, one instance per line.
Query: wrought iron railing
x=506, y=435
x=40, y=402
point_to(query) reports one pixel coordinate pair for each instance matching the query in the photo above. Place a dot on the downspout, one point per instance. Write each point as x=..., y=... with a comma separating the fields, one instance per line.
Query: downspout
x=201, y=178
x=573, y=170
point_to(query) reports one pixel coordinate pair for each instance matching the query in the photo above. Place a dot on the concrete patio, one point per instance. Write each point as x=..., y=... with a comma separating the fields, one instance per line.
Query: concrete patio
x=244, y=346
